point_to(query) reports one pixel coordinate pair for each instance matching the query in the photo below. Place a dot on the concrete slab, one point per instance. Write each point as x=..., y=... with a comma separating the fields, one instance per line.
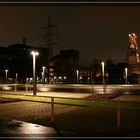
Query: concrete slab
x=13, y=128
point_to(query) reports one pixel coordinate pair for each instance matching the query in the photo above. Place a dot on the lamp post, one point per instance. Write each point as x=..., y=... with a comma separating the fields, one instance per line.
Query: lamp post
x=43, y=78
x=77, y=75
x=126, y=74
x=92, y=82
x=16, y=78
x=6, y=74
x=34, y=53
x=103, y=75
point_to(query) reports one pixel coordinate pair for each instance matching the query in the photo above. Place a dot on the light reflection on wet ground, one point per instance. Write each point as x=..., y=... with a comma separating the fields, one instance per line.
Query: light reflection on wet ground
x=11, y=127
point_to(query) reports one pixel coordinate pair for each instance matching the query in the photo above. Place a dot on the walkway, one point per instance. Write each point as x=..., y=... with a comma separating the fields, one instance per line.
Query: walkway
x=27, y=111
x=11, y=128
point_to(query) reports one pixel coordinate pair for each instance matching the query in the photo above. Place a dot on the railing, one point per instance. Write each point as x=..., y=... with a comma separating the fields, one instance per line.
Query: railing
x=117, y=102
x=52, y=102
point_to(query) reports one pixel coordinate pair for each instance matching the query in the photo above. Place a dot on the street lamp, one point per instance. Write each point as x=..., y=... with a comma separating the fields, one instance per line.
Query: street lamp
x=43, y=77
x=126, y=74
x=6, y=71
x=54, y=79
x=103, y=75
x=34, y=53
x=77, y=75
x=16, y=78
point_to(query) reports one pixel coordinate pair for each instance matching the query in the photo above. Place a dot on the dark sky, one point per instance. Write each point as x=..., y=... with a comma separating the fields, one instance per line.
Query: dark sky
x=96, y=31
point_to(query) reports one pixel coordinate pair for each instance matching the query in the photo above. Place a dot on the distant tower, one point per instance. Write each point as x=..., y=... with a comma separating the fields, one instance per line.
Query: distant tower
x=51, y=38
x=133, y=56
x=133, y=52
x=52, y=43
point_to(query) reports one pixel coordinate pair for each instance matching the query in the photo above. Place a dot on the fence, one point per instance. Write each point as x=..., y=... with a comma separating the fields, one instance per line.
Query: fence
x=117, y=102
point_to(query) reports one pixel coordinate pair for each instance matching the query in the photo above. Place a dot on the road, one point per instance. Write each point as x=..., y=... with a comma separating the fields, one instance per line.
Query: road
x=127, y=92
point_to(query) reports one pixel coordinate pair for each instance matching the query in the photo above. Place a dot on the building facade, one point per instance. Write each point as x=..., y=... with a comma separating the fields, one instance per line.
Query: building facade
x=133, y=58
x=17, y=59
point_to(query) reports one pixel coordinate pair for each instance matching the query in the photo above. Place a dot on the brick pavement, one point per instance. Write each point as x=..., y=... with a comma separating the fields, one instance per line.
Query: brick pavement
x=29, y=111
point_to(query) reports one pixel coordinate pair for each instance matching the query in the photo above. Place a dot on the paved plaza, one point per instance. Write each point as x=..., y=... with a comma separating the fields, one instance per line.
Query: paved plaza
x=29, y=111
x=25, y=114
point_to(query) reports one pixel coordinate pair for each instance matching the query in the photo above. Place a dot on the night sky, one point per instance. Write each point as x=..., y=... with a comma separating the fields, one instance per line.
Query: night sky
x=96, y=31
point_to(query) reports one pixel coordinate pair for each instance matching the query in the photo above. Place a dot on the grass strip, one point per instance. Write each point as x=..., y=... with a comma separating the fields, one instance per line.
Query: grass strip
x=25, y=97
x=68, y=101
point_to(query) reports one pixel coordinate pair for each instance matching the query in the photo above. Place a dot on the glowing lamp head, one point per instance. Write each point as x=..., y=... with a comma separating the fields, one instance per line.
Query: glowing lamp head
x=34, y=53
x=126, y=69
x=102, y=63
x=134, y=34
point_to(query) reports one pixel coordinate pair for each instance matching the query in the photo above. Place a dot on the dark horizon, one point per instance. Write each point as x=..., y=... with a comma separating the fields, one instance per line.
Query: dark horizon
x=96, y=31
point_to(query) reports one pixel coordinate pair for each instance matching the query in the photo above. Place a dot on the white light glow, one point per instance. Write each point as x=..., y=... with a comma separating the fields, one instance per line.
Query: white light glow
x=34, y=53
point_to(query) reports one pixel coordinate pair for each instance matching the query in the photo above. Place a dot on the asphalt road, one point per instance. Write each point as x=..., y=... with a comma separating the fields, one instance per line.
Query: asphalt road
x=74, y=88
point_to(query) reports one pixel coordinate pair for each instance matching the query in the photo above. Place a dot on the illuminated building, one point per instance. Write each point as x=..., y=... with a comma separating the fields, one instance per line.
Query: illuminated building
x=133, y=57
